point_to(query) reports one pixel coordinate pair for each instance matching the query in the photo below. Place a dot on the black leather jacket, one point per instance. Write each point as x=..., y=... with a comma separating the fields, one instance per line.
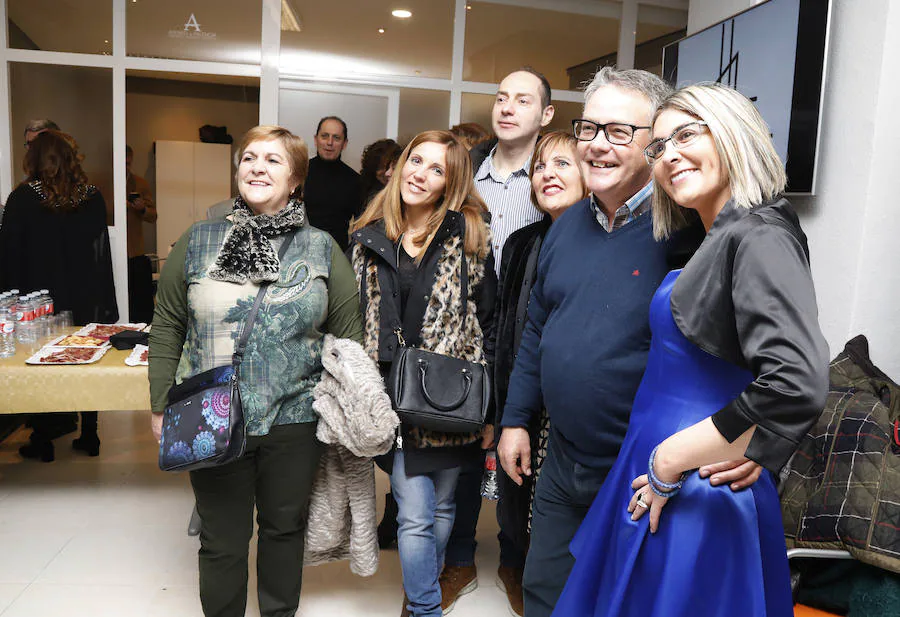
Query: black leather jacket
x=747, y=297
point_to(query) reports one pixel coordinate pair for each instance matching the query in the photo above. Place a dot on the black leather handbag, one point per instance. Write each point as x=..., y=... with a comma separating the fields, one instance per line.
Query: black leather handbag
x=203, y=424
x=437, y=392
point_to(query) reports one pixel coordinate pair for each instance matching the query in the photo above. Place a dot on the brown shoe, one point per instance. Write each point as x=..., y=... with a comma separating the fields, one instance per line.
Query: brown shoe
x=510, y=581
x=456, y=581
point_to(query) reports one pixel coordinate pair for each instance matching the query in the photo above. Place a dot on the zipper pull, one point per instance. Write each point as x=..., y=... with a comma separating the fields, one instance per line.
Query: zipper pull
x=399, y=332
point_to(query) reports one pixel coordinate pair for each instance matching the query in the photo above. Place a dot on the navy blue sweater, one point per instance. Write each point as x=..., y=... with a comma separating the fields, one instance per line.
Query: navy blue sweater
x=585, y=345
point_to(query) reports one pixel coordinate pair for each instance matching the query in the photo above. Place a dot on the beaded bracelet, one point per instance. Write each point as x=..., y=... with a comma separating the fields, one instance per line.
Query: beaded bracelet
x=663, y=489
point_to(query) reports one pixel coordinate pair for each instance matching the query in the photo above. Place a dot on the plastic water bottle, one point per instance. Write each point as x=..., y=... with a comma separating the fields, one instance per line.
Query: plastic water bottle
x=7, y=333
x=25, y=309
x=47, y=300
x=490, y=489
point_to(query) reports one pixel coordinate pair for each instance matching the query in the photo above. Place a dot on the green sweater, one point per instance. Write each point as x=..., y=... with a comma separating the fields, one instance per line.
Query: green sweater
x=198, y=320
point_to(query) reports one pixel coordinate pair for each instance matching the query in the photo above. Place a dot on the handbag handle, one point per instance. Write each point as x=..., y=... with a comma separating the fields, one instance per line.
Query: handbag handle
x=467, y=377
x=238, y=355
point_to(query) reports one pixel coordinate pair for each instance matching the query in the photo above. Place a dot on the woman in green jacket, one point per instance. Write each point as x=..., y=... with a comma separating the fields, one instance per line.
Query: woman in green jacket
x=206, y=290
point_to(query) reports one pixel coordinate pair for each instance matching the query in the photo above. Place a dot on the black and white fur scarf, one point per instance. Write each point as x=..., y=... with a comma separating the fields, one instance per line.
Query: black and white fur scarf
x=247, y=252
x=443, y=329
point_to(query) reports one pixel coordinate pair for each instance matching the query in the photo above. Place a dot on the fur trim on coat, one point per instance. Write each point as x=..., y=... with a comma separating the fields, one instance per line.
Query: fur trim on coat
x=356, y=423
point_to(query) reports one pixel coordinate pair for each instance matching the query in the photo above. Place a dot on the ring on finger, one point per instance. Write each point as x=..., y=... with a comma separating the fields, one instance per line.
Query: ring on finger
x=640, y=502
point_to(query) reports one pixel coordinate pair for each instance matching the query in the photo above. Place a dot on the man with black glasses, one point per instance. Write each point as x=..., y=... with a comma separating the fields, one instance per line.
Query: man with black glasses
x=585, y=346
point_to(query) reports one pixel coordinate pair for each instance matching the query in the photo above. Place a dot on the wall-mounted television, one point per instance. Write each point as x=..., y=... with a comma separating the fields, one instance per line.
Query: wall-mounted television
x=774, y=53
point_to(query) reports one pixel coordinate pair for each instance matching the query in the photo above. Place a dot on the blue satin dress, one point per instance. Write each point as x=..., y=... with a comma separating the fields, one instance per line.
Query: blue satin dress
x=717, y=553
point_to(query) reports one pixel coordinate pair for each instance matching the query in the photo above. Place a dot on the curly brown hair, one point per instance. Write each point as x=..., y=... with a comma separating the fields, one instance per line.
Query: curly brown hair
x=52, y=159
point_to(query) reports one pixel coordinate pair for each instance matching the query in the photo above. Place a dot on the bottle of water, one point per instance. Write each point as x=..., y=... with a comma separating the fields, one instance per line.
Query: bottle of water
x=7, y=333
x=25, y=309
x=47, y=301
x=489, y=487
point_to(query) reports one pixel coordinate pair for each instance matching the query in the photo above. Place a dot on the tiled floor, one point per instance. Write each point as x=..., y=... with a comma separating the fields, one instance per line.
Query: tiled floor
x=107, y=536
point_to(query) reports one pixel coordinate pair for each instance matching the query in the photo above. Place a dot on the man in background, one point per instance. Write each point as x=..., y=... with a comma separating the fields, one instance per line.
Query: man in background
x=333, y=190
x=140, y=209
x=502, y=176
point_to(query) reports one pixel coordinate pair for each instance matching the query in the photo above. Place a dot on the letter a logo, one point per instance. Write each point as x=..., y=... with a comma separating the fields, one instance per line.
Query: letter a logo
x=192, y=23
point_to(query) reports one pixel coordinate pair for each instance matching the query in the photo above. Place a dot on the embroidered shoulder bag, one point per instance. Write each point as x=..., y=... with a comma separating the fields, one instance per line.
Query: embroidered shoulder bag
x=203, y=424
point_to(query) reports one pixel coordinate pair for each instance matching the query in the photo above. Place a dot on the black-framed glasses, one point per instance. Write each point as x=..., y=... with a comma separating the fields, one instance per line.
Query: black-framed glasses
x=617, y=133
x=682, y=136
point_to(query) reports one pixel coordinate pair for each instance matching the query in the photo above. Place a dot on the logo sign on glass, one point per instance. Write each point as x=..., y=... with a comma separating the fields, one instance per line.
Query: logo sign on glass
x=191, y=30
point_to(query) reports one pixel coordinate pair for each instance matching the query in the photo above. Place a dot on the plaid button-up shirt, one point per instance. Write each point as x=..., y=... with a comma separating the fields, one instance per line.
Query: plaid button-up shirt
x=633, y=208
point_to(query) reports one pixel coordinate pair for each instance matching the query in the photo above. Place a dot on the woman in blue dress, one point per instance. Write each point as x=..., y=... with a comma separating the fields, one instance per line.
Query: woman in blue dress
x=737, y=368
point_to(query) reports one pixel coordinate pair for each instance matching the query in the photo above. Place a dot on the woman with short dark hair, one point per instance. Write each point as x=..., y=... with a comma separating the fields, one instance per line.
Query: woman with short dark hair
x=206, y=291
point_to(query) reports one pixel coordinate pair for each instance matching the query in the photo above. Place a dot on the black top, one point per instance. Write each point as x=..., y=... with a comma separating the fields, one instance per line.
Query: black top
x=406, y=268
x=65, y=251
x=332, y=197
x=747, y=297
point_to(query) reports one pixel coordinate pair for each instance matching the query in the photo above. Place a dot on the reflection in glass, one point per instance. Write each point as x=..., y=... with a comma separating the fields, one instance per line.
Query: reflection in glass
x=422, y=110
x=566, y=47
x=83, y=27
x=79, y=101
x=196, y=30
x=345, y=37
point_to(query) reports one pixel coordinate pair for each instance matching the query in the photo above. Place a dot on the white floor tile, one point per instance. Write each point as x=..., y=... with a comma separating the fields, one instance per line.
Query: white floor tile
x=9, y=592
x=107, y=536
x=80, y=601
x=25, y=556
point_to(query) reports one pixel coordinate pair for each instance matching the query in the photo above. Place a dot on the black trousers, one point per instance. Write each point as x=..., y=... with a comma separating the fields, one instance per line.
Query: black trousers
x=564, y=493
x=275, y=474
x=140, y=289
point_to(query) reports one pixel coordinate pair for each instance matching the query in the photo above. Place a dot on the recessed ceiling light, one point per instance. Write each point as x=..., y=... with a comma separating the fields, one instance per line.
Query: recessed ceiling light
x=381, y=31
x=106, y=40
x=468, y=7
x=401, y=13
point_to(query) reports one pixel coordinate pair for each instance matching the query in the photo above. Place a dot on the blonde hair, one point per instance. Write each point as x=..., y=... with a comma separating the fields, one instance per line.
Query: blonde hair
x=298, y=153
x=755, y=172
x=549, y=142
x=459, y=196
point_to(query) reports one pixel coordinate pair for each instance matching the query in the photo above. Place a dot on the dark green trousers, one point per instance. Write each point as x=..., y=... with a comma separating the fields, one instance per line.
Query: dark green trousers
x=276, y=475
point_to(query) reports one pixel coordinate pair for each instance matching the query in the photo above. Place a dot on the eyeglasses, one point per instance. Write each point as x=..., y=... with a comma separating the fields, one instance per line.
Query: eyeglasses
x=683, y=136
x=616, y=133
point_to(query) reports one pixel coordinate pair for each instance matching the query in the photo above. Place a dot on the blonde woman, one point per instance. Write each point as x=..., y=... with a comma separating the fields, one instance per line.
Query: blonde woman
x=406, y=250
x=737, y=368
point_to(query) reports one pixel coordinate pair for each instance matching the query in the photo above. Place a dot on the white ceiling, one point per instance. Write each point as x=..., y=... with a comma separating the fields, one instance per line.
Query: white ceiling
x=343, y=35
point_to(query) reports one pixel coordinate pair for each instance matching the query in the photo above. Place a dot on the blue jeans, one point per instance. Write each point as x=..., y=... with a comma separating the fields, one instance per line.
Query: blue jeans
x=425, y=517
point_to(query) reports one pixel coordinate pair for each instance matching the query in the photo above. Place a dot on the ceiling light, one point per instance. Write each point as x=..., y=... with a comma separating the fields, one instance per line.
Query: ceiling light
x=106, y=41
x=381, y=31
x=401, y=13
x=468, y=7
x=290, y=21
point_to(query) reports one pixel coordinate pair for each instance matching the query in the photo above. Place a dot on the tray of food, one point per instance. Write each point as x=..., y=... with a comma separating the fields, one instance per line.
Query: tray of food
x=103, y=331
x=138, y=356
x=74, y=340
x=67, y=355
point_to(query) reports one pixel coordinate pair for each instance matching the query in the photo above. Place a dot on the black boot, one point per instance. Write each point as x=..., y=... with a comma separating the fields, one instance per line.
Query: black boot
x=89, y=442
x=39, y=448
x=387, y=528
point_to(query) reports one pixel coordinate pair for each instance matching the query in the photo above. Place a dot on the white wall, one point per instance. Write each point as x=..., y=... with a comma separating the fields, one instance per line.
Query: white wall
x=852, y=222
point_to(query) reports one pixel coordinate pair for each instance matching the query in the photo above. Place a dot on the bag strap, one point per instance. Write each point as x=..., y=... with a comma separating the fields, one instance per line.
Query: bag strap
x=238, y=355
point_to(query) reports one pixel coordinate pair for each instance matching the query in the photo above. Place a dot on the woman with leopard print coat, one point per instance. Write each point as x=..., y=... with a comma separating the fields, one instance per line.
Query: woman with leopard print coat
x=406, y=251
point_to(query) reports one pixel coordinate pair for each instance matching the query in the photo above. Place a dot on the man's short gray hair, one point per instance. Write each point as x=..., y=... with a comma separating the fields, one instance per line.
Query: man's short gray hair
x=41, y=124
x=649, y=85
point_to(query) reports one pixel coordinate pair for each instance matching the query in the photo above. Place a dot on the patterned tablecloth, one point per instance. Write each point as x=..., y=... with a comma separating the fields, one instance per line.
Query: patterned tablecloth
x=109, y=384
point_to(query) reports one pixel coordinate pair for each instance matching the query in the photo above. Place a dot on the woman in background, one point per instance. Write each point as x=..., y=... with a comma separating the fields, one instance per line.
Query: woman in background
x=378, y=160
x=556, y=184
x=54, y=237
